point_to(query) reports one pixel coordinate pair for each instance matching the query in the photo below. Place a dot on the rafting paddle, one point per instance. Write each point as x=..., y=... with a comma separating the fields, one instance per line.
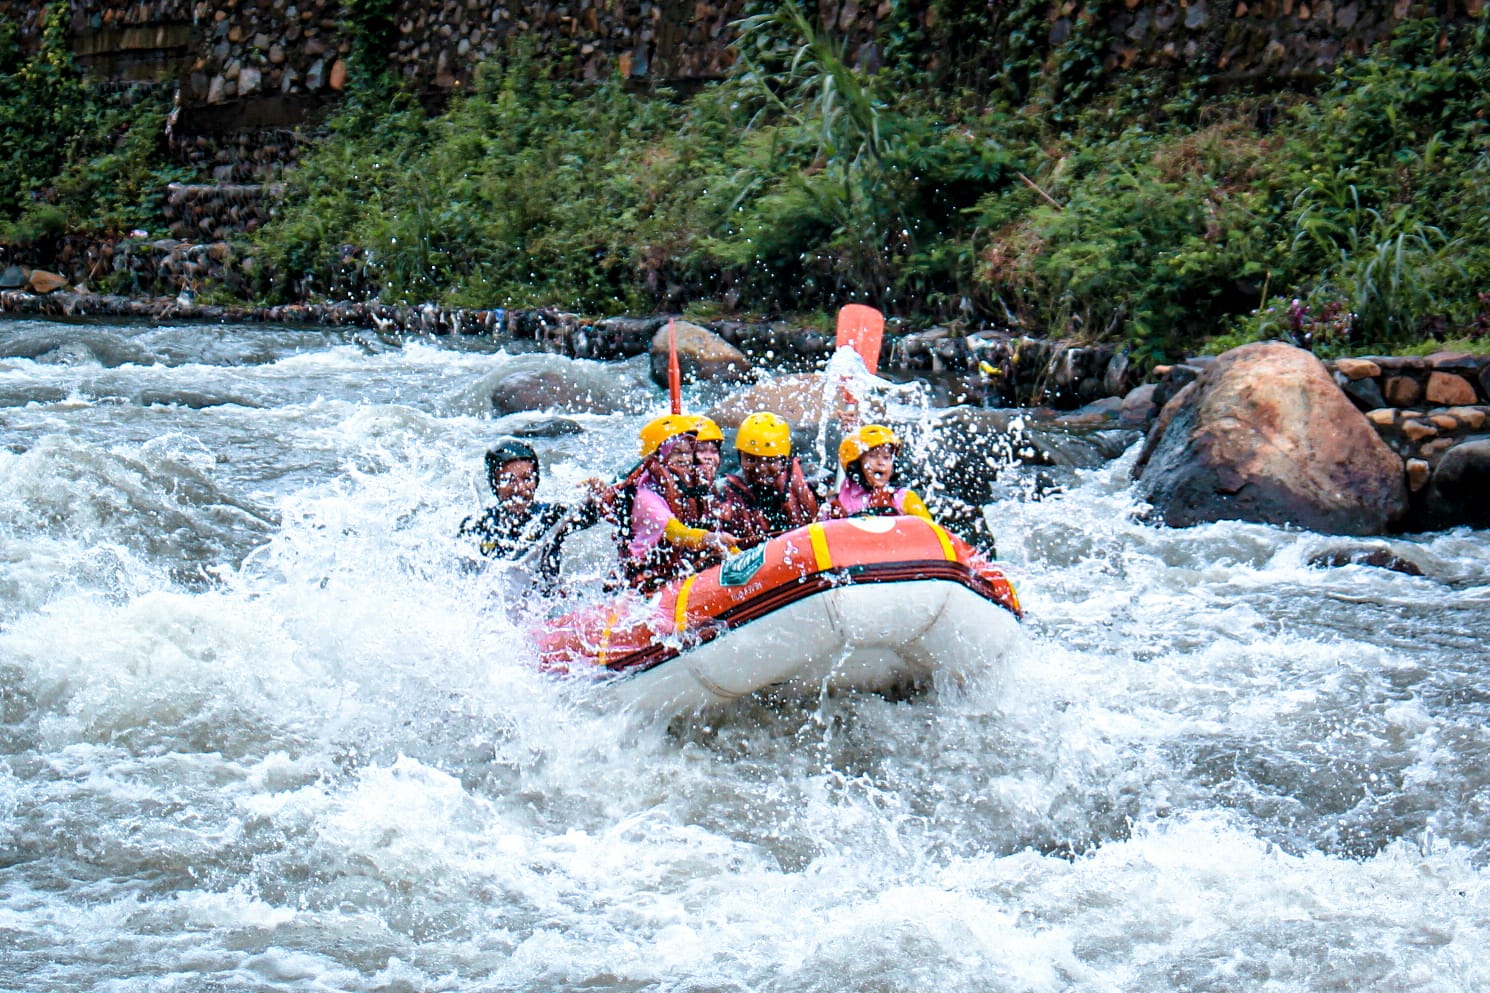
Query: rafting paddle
x=862, y=329
x=674, y=373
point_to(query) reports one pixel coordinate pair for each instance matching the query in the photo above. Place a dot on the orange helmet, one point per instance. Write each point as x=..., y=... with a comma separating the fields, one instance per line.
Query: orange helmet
x=660, y=429
x=862, y=440
x=765, y=435
x=708, y=430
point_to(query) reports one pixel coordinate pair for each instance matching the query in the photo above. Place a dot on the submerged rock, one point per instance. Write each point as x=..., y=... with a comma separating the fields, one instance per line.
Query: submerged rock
x=1376, y=556
x=969, y=448
x=549, y=382
x=803, y=400
x=1264, y=434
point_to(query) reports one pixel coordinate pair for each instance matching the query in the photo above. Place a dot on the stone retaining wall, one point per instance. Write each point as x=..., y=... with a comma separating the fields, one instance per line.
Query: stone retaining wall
x=216, y=213
x=1421, y=407
x=243, y=156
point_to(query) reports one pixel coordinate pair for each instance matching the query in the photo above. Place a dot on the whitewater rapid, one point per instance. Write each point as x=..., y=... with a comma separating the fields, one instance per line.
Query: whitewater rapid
x=261, y=730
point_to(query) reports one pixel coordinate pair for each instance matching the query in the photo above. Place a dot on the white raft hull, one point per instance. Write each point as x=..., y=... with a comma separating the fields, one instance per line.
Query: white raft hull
x=873, y=637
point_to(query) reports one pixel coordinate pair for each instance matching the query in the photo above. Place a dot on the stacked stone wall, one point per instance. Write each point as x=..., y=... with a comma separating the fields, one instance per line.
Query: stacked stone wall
x=242, y=156
x=217, y=212
x=1421, y=406
x=273, y=50
x=26, y=15
x=1255, y=42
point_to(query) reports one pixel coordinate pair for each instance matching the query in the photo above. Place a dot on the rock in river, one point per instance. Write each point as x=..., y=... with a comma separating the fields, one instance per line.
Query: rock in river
x=1264, y=434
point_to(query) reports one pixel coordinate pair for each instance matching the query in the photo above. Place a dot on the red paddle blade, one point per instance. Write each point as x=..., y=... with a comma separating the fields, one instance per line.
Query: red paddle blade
x=674, y=374
x=861, y=328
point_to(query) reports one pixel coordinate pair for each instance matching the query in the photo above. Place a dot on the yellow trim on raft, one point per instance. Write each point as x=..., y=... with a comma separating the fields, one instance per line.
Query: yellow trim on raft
x=680, y=606
x=604, y=650
x=820, y=554
x=948, y=551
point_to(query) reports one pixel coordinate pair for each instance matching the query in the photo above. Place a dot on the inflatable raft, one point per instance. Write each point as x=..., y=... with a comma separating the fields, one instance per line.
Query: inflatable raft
x=865, y=603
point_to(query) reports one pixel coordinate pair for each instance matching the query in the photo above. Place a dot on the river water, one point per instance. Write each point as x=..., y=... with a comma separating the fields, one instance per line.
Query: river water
x=260, y=731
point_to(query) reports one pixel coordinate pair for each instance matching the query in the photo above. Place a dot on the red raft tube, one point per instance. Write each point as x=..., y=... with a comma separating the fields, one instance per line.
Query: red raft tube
x=866, y=603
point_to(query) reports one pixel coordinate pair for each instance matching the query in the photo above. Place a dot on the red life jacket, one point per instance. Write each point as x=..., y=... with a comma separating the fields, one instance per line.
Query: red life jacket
x=664, y=561
x=752, y=520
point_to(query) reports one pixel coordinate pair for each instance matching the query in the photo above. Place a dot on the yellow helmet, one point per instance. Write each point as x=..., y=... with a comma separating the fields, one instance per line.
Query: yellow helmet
x=862, y=440
x=660, y=429
x=765, y=435
x=708, y=430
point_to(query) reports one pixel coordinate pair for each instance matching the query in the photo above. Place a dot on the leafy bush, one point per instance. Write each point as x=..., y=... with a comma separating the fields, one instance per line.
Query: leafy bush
x=1385, y=238
x=1044, y=194
x=513, y=196
x=843, y=190
x=1149, y=237
x=74, y=158
x=1360, y=221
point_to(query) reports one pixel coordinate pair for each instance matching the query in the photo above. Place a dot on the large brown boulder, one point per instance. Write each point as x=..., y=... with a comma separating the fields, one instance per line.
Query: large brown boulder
x=1265, y=435
x=702, y=355
x=801, y=399
x=44, y=282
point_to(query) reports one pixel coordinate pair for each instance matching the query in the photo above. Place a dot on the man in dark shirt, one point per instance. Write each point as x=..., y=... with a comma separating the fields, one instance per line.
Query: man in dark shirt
x=509, y=529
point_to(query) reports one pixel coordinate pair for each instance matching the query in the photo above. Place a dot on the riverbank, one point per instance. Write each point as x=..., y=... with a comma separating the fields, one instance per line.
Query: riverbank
x=1432, y=411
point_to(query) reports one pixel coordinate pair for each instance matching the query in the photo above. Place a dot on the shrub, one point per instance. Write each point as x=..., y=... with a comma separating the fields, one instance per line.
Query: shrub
x=74, y=159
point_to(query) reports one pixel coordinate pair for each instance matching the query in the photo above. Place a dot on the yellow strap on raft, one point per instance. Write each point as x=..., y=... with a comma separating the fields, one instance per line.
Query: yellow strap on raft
x=820, y=555
x=948, y=551
x=680, y=606
x=915, y=506
x=610, y=622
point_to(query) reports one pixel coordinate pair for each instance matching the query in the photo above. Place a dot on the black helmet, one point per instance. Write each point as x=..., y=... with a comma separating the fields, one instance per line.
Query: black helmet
x=510, y=450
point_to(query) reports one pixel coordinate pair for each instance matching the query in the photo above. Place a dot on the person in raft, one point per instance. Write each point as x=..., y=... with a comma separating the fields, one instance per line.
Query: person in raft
x=656, y=542
x=508, y=529
x=707, y=443
x=867, y=456
x=770, y=493
x=704, y=509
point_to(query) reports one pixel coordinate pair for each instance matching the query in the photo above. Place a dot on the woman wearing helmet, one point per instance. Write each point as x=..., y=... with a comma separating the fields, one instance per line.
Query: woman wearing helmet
x=867, y=456
x=657, y=543
x=769, y=494
x=706, y=450
x=704, y=509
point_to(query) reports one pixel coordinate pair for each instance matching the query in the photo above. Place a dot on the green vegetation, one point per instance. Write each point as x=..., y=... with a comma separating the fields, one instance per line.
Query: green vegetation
x=74, y=160
x=975, y=176
x=1049, y=196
